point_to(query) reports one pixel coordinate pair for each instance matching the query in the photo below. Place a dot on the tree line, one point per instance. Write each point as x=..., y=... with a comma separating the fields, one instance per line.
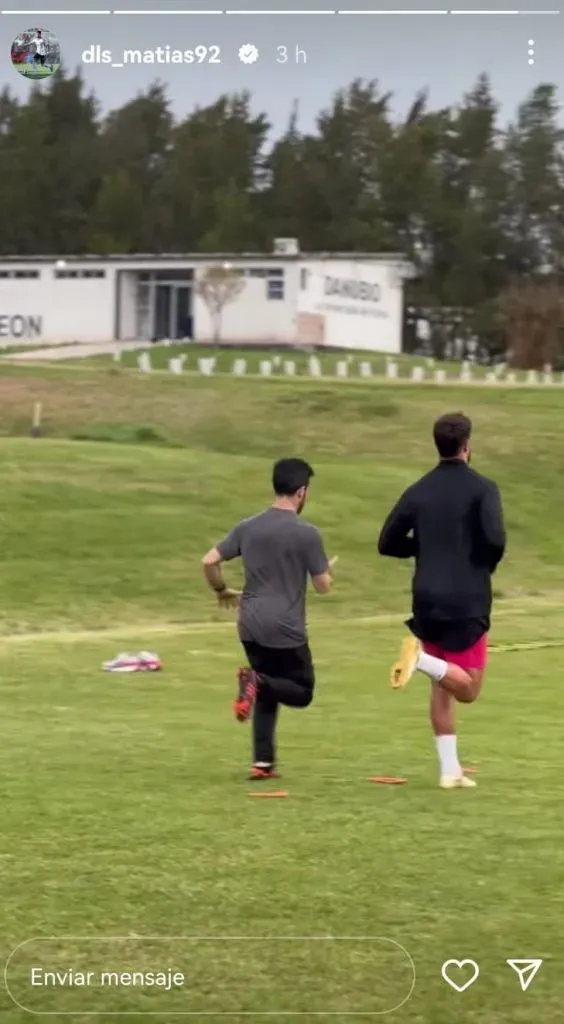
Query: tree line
x=476, y=205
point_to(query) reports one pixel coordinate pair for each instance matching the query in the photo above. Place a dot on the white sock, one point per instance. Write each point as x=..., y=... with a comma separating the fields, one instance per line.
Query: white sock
x=448, y=756
x=435, y=668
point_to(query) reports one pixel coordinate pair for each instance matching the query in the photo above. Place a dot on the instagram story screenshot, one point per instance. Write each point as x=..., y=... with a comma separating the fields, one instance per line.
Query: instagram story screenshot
x=281, y=450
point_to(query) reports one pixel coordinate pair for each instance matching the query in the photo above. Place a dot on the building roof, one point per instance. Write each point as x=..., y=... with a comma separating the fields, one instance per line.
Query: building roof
x=208, y=257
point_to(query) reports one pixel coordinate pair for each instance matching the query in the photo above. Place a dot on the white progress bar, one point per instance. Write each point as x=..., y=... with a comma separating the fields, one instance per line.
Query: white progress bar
x=287, y=13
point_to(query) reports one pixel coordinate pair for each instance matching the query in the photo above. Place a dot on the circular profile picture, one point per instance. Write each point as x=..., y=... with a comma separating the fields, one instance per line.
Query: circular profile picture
x=36, y=53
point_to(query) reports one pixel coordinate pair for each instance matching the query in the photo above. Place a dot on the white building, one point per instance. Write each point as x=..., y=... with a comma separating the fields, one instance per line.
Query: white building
x=339, y=300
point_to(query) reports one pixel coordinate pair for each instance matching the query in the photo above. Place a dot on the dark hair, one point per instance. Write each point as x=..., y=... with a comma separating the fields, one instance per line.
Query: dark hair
x=289, y=475
x=451, y=433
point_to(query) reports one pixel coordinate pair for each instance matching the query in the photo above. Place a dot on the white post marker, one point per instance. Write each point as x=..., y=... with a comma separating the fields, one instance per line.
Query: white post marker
x=314, y=367
x=417, y=374
x=440, y=376
x=491, y=377
x=342, y=368
x=465, y=374
x=365, y=369
x=240, y=367
x=276, y=362
x=532, y=377
x=144, y=362
x=175, y=366
x=511, y=377
x=265, y=368
x=206, y=367
x=547, y=378
x=36, y=420
x=392, y=371
x=290, y=368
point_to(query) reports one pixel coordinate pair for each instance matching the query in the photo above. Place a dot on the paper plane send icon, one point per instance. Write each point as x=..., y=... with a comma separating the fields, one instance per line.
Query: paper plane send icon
x=526, y=971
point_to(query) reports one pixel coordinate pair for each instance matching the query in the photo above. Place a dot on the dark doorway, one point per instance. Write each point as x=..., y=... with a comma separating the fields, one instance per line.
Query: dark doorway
x=162, y=311
x=183, y=324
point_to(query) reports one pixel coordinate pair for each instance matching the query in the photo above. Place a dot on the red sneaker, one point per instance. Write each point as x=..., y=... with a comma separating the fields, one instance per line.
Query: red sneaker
x=248, y=685
x=263, y=772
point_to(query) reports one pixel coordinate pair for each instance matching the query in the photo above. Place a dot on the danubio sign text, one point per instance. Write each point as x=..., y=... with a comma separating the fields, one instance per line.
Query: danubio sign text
x=20, y=325
x=364, y=291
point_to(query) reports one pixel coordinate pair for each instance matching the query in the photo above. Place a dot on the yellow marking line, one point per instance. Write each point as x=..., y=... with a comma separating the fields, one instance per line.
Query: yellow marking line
x=505, y=608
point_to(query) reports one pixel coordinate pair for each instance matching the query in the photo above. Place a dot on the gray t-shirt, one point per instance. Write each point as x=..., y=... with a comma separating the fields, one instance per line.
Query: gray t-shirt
x=279, y=551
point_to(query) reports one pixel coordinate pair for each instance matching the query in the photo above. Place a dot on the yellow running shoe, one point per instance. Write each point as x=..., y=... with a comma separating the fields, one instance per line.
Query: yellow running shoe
x=405, y=666
x=456, y=782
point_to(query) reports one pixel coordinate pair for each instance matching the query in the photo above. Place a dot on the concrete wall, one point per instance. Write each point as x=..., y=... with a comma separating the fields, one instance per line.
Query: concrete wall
x=354, y=304
x=252, y=316
x=64, y=309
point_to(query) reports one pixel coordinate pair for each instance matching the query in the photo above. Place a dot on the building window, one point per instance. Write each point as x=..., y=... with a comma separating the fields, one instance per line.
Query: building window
x=82, y=274
x=269, y=272
x=172, y=275
x=303, y=279
x=275, y=288
x=19, y=274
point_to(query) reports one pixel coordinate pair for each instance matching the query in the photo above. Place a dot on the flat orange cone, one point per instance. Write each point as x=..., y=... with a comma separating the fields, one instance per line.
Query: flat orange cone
x=272, y=793
x=471, y=769
x=387, y=780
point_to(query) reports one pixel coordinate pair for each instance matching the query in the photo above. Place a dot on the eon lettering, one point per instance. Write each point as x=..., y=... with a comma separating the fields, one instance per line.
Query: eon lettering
x=19, y=325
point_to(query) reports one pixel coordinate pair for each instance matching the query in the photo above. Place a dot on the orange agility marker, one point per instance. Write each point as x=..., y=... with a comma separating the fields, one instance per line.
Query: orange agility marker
x=470, y=770
x=272, y=793
x=387, y=780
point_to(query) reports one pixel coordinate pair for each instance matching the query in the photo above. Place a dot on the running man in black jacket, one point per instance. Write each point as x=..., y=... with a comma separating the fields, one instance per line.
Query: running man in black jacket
x=451, y=523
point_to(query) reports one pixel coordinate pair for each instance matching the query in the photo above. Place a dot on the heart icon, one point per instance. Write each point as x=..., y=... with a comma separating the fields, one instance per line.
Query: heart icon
x=460, y=965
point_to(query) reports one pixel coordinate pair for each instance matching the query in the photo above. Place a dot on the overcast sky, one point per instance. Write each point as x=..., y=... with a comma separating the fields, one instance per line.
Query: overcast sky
x=444, y=53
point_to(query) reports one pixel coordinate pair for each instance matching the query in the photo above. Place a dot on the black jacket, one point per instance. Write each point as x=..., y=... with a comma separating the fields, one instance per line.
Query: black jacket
x=451, y=523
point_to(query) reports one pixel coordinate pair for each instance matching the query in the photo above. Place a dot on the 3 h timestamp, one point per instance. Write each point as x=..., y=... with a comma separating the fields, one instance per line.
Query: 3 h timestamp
x=290, y=55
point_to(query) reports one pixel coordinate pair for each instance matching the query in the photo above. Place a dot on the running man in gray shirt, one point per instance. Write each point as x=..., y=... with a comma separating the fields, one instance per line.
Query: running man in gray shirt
x=280, y=554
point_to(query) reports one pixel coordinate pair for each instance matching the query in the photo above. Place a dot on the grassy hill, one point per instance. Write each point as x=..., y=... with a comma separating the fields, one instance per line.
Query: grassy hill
x=195, y=454
x=123, y=801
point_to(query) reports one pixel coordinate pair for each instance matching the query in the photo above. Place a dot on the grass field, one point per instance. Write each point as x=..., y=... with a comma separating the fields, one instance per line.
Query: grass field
x=125, y=811
x=34, y=72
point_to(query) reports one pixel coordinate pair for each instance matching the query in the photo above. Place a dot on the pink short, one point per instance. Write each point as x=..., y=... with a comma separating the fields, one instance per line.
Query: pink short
x=474, y=657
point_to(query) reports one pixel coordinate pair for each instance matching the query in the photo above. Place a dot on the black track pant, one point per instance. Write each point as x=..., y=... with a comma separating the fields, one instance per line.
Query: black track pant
x=286, y=676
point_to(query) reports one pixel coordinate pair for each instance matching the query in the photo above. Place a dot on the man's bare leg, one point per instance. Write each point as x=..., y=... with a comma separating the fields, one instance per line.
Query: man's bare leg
x=450, y=683
x=442, y=722
x=443, y=695
x=464, y=684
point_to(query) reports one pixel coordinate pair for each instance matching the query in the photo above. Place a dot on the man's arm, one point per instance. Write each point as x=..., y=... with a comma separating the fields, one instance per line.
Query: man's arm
x=396, y=539
x=318, y=565
x=226, y=551
x=492, y=525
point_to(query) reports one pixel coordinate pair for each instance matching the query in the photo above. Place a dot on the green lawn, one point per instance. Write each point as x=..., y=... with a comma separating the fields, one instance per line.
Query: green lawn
x=125, y=810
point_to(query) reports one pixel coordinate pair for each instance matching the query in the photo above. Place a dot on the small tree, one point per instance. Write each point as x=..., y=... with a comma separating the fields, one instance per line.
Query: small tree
x=219, y=286
x=532, y=314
